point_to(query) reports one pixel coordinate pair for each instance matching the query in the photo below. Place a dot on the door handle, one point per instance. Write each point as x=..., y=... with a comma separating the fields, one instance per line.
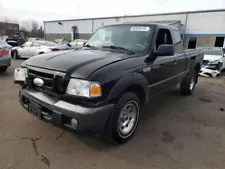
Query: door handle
x=157, y=66
x=193, y=57
x=175, y=61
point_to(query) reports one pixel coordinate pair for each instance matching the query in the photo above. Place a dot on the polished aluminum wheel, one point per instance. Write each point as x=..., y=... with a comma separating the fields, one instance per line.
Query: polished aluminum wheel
x=128, y=119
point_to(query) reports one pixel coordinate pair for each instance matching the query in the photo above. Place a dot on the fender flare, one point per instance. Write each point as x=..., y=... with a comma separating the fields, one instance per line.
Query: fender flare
x=127, y=81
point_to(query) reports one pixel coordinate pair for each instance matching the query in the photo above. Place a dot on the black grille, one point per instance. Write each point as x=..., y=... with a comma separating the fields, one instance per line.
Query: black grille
x=205, y=62
x=52, y=83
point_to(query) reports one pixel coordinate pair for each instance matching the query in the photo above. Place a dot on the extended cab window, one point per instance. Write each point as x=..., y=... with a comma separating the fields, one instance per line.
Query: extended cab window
x=163, y=37
x=178, y=46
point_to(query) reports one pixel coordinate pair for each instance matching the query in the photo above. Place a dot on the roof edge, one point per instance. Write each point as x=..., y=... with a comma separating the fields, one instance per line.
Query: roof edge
x=153, y=14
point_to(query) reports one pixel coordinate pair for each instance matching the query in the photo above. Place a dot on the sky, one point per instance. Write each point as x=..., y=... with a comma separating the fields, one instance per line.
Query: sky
x=43, y=10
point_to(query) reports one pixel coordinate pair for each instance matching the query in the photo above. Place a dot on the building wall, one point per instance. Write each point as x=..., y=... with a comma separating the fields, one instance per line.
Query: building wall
x=205, y=26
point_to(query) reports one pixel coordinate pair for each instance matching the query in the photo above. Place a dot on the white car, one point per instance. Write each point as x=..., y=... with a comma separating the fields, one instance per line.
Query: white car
x=78, y=43
x=33, y=39
x=30, y=49
x=213, y=62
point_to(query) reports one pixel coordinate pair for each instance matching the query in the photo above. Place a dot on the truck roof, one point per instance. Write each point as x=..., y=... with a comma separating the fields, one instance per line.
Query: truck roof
x=146, y=24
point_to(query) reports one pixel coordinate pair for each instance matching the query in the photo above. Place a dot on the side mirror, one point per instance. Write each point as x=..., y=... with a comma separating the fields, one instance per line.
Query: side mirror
x=84, y=43
x=165, y=50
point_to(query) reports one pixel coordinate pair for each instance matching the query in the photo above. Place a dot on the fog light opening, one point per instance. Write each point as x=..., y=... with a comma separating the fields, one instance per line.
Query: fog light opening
x=74, y=123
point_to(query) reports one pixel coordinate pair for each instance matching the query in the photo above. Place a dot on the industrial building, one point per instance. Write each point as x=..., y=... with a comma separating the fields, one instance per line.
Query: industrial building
x=198, y=28
x=8, y=28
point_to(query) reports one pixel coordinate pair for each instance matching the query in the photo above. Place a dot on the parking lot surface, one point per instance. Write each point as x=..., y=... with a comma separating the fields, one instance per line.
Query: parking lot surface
x=174, y=132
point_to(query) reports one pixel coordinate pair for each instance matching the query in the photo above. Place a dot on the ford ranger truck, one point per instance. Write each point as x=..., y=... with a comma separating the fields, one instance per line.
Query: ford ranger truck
x=100, y=88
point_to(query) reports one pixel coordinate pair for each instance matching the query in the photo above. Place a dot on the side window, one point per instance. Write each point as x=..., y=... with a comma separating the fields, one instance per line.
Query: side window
x=177, y=36
x=36, y=44
x=178, y=46
x=163, y=37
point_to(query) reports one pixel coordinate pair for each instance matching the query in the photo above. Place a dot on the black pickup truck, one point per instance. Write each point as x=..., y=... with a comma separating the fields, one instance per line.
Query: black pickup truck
x=99, y=89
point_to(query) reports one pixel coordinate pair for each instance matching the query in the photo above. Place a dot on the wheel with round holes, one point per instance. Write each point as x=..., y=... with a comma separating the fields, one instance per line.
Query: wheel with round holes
x=124, y=119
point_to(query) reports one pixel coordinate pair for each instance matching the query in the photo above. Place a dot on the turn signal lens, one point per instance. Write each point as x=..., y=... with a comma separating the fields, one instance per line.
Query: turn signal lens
x=95, y=90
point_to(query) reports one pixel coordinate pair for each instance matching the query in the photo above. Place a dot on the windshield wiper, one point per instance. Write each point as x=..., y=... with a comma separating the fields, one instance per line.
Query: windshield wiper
x=90, y=46
x=119, y=48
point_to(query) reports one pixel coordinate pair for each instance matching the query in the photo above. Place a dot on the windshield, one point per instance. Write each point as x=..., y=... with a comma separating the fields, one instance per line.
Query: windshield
x=27, y=44
x=212, y=51
x=49, y=43
x=130, y=37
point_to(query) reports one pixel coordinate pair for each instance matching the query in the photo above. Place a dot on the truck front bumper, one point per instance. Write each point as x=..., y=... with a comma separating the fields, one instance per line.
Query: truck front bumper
x=63, y=114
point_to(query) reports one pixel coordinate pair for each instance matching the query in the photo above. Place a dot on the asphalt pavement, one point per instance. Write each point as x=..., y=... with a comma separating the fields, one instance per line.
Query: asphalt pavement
x=175, y=132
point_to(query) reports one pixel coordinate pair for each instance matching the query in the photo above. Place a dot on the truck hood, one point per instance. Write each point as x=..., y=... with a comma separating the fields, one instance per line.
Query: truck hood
x=78, y=63
x=213, y=57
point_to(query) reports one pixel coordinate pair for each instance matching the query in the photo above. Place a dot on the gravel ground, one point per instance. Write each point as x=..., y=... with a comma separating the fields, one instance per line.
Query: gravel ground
x=175, y=132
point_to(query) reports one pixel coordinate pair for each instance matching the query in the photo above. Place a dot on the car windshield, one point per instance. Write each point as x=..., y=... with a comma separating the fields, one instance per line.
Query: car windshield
x=27, y=44
x=49, y=43
x=129, y=37
x=212, y=51
x=3, y=43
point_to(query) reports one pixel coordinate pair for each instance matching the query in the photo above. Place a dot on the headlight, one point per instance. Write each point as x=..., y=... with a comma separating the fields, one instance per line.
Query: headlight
x=215, y=62
x=20, y=74
x=84, y=88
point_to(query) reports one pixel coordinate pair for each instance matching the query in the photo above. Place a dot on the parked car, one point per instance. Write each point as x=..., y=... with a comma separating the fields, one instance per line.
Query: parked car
x=32, y=48
x=13, y=43
x=63, y=42
x=100, y=88
x=15, y=40
x=78, y=43
x=214, y=61
x=5, y=58
x=31, y=39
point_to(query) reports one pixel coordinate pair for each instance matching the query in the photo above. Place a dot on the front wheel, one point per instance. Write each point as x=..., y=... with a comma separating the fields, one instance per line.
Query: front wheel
x=124, y=119
x=15, y=55
x=187, y=85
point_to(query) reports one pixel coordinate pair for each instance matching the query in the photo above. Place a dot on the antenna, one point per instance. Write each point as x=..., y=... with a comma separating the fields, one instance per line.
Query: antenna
x=78, y=13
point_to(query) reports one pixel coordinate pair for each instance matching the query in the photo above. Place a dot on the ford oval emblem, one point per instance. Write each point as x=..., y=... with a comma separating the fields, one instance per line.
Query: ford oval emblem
x=38, y=82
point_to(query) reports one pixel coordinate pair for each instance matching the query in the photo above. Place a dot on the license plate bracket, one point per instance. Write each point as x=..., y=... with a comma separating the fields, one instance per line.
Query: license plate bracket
x=35, y=109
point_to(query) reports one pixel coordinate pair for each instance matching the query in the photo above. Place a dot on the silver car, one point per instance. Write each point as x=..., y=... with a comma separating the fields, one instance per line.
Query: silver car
x=33, y=48
x=78, y=43
x=5, y=58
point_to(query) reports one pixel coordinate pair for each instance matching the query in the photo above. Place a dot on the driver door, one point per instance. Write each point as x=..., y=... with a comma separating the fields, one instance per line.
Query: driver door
x=34, y=48
x=162, y=68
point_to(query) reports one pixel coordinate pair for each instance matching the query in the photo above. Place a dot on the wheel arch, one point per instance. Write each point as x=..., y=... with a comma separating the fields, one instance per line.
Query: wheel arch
x=135, y=83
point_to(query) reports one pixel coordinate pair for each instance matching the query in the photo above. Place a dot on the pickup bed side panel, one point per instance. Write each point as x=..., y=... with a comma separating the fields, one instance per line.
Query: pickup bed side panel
x=193, y=59
x=131, y=79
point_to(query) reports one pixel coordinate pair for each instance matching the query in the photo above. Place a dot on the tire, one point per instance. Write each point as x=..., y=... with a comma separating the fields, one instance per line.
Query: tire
x=187, y=85
x=124, y=119
x=3, y=69
x=41, y=53
x=15, y=55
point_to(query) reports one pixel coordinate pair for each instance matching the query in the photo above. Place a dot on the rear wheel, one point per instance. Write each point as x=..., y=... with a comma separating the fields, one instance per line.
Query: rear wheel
x=124, y=119
x=3, y=69
x=187, y=86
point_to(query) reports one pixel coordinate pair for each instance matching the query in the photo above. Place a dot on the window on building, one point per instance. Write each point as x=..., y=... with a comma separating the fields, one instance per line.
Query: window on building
x=192, y=42
x=219, y=42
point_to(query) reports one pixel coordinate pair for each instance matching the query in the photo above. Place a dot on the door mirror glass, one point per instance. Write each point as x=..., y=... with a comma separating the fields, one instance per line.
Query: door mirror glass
x=165, y=50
